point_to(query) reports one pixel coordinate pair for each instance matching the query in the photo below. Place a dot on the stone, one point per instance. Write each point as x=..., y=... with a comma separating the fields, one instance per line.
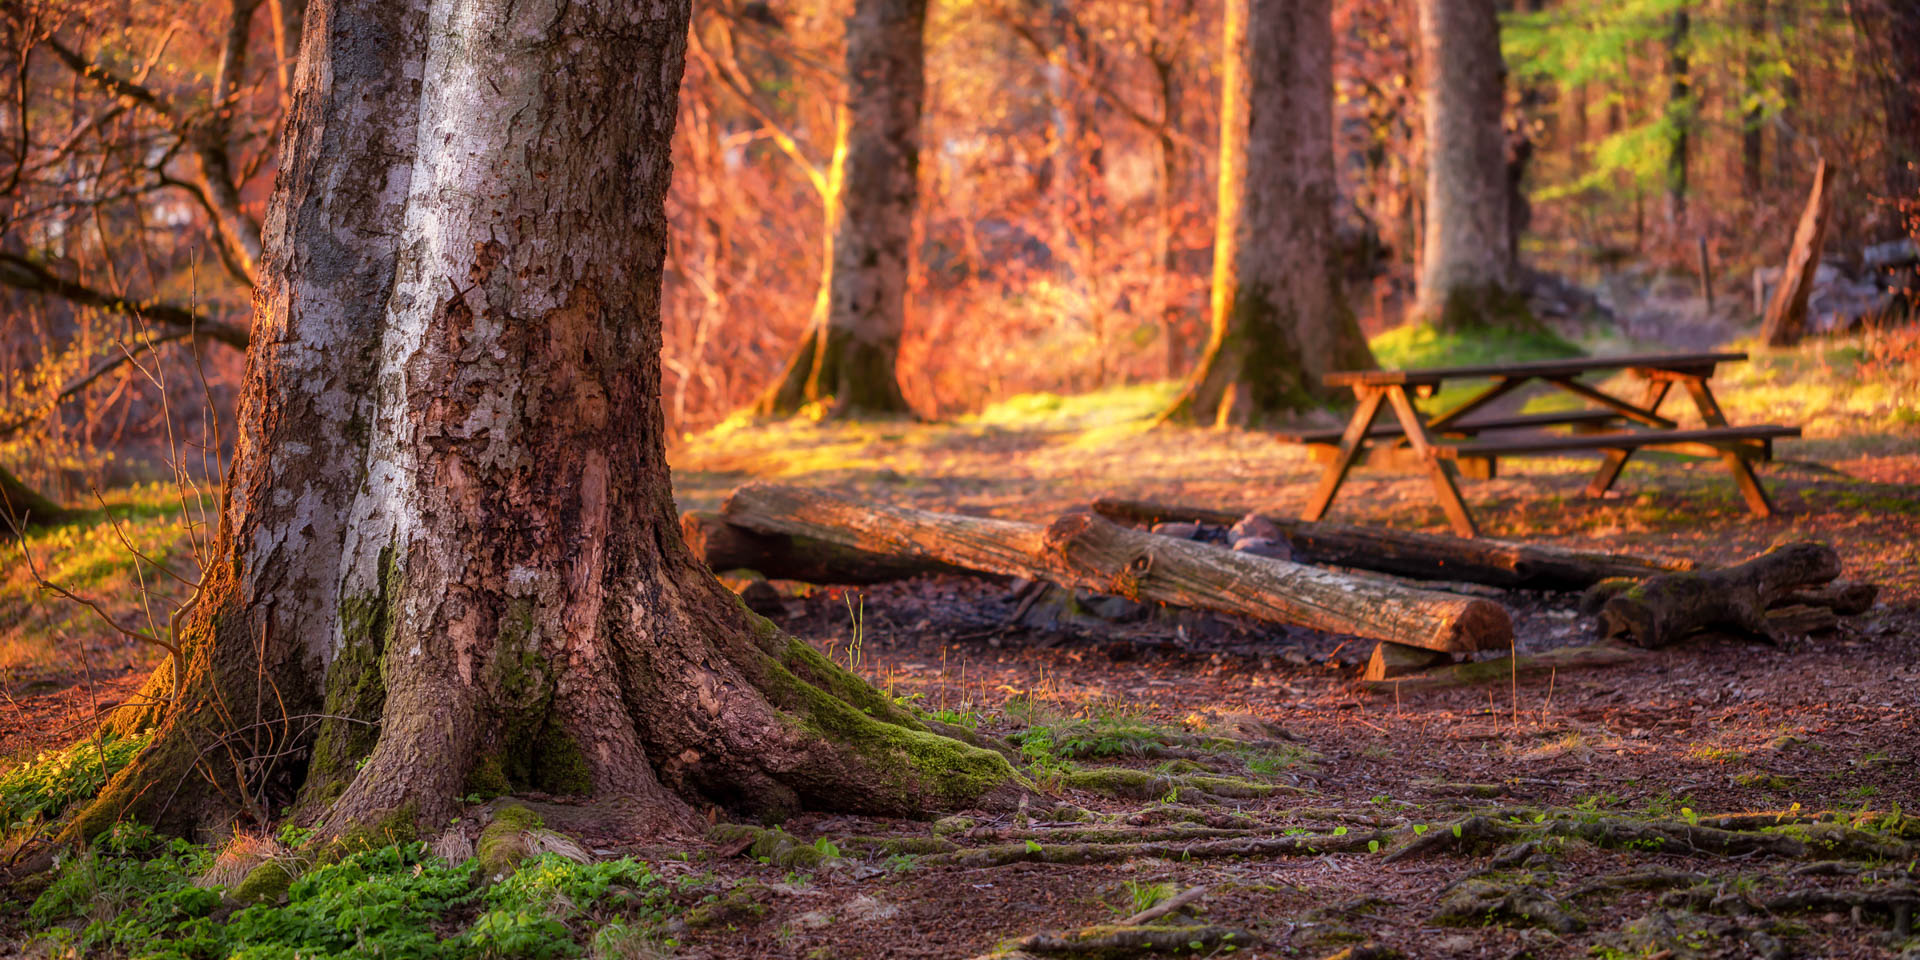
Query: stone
x=1256, y=527
x=761, y=597
x=1264, y=547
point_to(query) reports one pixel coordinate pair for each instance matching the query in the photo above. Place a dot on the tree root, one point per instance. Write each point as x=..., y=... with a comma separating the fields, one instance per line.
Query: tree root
x=1472, y=902
x=1119, y=941
x=1033, y=852
x=1898, y=901
x=1797, y=843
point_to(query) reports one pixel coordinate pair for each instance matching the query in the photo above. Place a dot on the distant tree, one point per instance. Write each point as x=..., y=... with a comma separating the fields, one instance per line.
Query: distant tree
x=853, y=342
x=1890, y=31
x=450, y=563
x=1466, y=266
x=1280, y=314
x=1680, y=111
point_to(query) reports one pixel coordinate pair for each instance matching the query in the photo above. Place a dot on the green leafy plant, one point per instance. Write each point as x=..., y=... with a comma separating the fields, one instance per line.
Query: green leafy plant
x=42, y=788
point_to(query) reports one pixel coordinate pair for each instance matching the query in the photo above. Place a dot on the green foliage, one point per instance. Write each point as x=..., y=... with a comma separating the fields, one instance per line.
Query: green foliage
x=1423, y=345
x=135, y=895
x=40, y=789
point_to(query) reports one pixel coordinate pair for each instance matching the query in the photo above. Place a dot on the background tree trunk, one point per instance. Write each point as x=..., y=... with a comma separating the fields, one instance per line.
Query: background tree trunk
x=1280, y=315
x=855, y=341
x=451, y=563
x=1680, y=114
x=1465, y=270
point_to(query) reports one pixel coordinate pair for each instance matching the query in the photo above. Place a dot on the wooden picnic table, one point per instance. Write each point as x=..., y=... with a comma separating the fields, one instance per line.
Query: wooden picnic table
x=1438, y=443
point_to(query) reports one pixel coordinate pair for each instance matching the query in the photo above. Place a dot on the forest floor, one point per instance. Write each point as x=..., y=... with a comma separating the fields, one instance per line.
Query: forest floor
x=1723, y=797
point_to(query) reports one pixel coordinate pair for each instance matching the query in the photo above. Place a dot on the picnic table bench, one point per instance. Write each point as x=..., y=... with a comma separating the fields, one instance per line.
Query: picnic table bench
x=1616, y=427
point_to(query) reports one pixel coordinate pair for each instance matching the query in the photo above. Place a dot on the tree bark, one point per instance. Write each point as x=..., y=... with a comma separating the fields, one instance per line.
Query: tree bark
x=1466, y=274
x=1083, y=550
x=850, y=352
x=450, y=562
x=1425, y=556
x=1280, y=314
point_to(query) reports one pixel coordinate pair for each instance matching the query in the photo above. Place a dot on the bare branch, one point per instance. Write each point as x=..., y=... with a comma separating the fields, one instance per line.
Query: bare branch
x=24, y=274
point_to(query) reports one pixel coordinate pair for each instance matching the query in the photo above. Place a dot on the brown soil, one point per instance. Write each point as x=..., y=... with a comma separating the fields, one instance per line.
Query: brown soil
x=1720, y=725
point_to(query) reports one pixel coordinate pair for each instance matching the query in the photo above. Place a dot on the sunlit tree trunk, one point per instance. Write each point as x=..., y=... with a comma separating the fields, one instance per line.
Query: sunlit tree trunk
x=451, y=562
x=1466, y=272
x=854, y=343
x=1280, y=316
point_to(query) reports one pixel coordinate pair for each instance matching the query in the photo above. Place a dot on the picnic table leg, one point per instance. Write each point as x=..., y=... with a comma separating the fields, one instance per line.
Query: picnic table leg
x=1613, y=461
x=1350, y=444
x=1743, y=475
x=1440, y=472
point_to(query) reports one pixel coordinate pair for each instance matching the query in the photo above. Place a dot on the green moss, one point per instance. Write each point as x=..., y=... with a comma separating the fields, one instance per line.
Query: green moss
x=504, y=841
x=736, y=904
x=266, y=883
x=559, y=767
x=488, y=778
x=950, y=825
x=910, y=766
x=1119, y=782
x=1234, y=787
x=356, y=683
x=771, y=845
x=397, y=826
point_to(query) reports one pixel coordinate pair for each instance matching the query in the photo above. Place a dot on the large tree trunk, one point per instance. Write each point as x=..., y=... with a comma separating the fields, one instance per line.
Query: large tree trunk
x=1280, y=316
x=853, y=344
x=1466, y=273
x=451, y=563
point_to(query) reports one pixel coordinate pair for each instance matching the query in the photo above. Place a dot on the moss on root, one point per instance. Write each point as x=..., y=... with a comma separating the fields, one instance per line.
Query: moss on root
x=504, y=841
x=911, y=769
x=266, y=883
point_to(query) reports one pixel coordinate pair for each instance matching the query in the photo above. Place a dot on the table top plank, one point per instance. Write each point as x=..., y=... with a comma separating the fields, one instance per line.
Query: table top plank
x=1628, y=440
x=1431, y=376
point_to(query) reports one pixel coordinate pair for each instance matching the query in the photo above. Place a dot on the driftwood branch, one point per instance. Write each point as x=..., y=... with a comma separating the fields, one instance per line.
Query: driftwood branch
x=1084, y=550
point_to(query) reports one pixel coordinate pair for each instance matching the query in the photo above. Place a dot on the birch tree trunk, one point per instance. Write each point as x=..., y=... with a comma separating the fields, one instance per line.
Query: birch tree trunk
x=1280, y=315
x=854, y=343
x=450, y=560
x=1466, y=273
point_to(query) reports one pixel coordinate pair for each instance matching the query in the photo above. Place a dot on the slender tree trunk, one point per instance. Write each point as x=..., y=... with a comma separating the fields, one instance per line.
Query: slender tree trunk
x=1466, y=273
x=289, y=17
x=855, y=343
x=1280, y=315
x=1890, y=31
x=1680, y=113
x=450, y=563
x=1753, y=139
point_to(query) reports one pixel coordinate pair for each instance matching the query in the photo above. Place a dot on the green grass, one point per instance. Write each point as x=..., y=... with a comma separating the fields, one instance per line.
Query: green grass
x=88, y=554
x=1421, y=345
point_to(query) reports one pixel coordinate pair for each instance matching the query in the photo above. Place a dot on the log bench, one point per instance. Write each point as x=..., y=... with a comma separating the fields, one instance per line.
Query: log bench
x=1440, y=445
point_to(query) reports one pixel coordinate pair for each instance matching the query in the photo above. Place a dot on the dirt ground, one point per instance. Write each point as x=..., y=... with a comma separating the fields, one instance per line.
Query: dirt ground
x=1724, y=797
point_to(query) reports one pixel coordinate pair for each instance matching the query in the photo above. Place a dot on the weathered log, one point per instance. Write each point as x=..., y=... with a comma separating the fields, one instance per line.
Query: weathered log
x=1844, y=597
x=1799, y=620
x=1081, y=549
x=1667, y=608
x=724, y=546
x=1421, y=555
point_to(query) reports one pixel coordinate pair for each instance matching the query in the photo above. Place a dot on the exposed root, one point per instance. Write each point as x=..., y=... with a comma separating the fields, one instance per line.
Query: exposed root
x=1673, y=837
x=1472, y=902
x=1119, y=941
x=1033, y=852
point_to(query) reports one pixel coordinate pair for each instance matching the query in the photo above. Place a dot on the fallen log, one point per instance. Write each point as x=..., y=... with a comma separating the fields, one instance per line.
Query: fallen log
x=1423, y=556
x=1083, y=550
x=777, y=556
x=1844, y=597
x=1668, y=607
